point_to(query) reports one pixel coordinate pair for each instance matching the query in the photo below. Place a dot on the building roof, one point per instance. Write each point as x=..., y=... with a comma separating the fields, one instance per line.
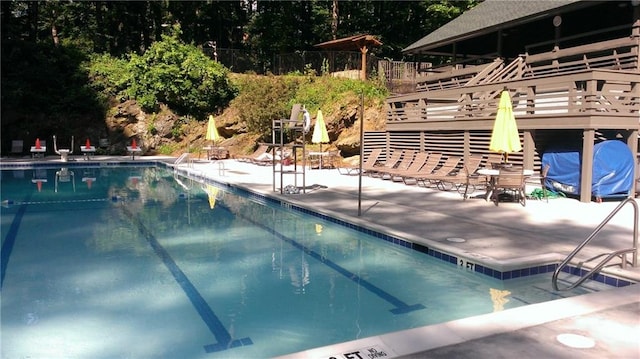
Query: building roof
x=491, y=16
x=350, y=43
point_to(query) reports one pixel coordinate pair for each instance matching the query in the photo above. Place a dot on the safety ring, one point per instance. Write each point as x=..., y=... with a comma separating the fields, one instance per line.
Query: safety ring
x=307, y=120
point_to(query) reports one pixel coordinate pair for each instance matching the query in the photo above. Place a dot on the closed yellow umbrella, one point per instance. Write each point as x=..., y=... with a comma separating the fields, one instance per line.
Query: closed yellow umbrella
x=212, y=131
x=504, y=137
x=320, y=134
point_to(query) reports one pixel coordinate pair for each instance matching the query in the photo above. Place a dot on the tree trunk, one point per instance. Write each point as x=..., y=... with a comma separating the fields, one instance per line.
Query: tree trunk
x=334, y=20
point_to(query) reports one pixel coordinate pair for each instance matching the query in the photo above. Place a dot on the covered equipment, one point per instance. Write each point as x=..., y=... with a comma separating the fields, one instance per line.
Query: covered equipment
x=613, y=170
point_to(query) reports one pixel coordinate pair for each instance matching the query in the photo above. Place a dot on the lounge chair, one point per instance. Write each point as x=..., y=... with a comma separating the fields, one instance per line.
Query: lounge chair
x=449, y=165
x=405, y=161
x=429, y=166
x=419, y=160
x=268, y=158
x=370, y=161
x=390, y=162
x=17, y=146
x=460, y=178
x=262, y=148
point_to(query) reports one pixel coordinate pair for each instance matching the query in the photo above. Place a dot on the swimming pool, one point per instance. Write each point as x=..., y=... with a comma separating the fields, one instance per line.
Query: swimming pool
x=110, y=261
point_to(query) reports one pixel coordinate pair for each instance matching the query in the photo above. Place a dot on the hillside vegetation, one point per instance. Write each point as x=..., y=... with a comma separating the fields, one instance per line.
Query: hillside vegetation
x=164, y=97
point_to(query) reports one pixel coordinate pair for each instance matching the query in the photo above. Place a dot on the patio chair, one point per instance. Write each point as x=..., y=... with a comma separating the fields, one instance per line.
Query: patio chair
x=370, y=161
x=494, y=160
x=17, y=146
x=449, y=165
x=262, y=148
x=509, y=181
x=457, y=179
x=397, y=174
x=405, y=162
x=474, y=181
x=390, y=162
x=429, y=166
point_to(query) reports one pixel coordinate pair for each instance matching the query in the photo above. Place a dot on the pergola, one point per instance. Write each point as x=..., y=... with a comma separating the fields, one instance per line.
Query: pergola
x=357, y=42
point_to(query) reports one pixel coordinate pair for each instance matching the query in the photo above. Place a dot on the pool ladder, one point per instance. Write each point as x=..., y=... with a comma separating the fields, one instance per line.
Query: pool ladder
x=622, y=253
x=183, y=157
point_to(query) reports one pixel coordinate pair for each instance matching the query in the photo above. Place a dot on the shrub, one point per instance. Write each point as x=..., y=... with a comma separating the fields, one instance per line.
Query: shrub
x=170, y=72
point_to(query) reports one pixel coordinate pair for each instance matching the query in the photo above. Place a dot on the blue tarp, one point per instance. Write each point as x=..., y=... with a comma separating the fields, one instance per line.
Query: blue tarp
x=612, y=170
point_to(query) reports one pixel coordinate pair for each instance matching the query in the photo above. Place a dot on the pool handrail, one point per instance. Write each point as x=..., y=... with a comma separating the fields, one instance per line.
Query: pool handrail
x=621, y=253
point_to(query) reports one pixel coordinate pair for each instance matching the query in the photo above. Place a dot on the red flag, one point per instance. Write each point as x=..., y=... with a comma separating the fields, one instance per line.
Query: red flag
x=88, y=144
x=38, y=144
x=133, y=144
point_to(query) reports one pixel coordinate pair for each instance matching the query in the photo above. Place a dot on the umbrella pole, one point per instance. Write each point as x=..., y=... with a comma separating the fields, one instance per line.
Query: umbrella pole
x=320, y=155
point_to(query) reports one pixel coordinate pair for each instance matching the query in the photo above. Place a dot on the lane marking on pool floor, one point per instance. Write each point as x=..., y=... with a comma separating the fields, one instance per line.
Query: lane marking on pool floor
x=223, y=338
x=400, y=306
x=9, y=241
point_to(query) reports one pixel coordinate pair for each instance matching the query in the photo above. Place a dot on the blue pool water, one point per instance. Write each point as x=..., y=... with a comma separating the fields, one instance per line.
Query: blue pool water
x=137, y=262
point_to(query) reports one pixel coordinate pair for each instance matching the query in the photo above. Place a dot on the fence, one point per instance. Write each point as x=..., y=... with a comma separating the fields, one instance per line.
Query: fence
x=399, y=76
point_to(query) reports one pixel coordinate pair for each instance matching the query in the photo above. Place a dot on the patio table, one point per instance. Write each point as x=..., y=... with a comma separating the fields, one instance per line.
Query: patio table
x=493, y=174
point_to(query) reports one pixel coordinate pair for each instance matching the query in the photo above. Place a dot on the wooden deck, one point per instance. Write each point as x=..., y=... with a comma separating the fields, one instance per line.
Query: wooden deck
x=589, y=91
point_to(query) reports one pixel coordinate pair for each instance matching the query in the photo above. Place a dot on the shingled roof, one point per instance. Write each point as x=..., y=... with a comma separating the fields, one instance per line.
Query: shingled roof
x=490, y=16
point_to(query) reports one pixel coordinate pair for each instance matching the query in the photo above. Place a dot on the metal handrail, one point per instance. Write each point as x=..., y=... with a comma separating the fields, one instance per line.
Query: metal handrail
x=610, y=256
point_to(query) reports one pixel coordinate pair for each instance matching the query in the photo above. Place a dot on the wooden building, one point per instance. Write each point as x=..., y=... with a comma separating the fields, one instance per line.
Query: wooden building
x=571, y=66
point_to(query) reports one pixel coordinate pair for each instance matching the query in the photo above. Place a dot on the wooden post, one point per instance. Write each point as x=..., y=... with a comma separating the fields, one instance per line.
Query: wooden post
x=586, y=175
x=363, y=70
x=528, y=149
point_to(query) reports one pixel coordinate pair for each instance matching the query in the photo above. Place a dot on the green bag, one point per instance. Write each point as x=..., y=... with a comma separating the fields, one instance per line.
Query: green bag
x=538, y=193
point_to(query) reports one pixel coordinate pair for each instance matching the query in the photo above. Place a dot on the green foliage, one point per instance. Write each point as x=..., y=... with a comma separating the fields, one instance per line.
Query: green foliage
x=170, y=72
x=263, y=99
x=168, y=149
x=48, y=83
x=109, y=75
x=324, y=91
x=266, y=98
x=180, y=76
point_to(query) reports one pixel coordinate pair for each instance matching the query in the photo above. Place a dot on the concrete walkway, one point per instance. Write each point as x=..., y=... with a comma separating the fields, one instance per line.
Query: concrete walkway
x=597, y=325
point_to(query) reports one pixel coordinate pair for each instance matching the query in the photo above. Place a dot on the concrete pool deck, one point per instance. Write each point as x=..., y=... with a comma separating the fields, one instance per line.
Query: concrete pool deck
x=504, y=238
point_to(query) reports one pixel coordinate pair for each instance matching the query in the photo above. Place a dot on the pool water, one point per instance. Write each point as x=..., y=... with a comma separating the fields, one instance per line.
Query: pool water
x=137, y=262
